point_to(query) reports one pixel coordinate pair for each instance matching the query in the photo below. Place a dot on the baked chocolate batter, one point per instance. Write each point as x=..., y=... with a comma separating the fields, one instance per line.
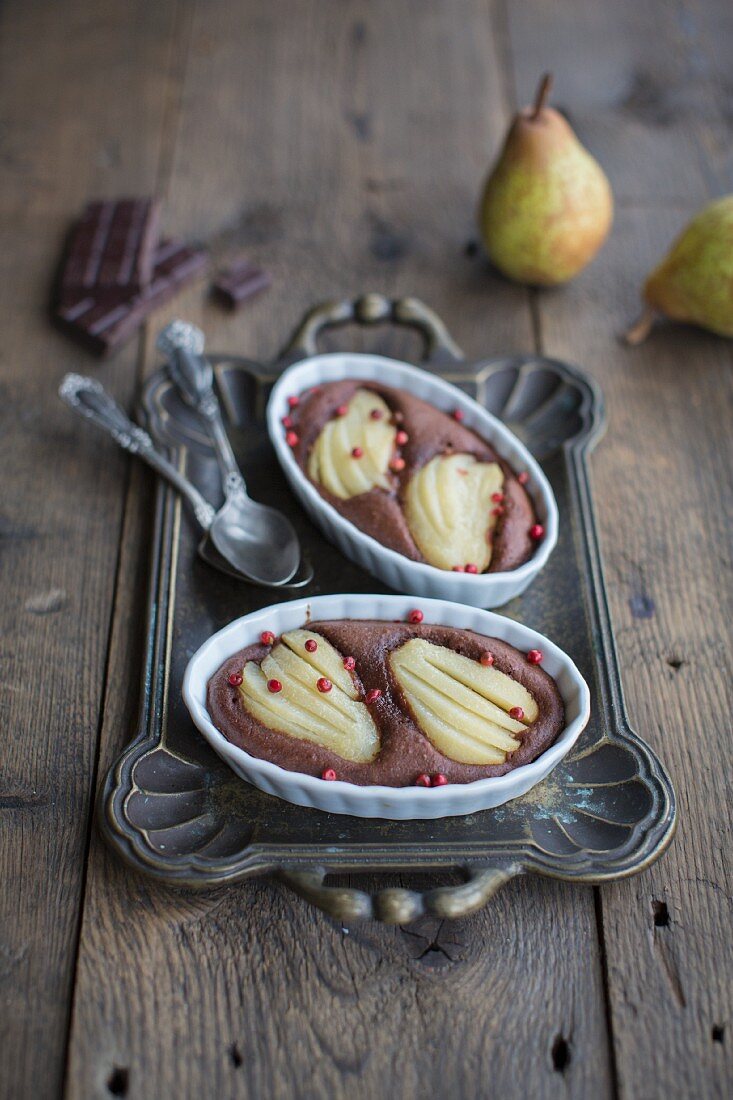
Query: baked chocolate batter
x=431, y=432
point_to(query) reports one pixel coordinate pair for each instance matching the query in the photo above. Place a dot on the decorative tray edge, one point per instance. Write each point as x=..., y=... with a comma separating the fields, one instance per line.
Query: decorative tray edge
x=306, y=872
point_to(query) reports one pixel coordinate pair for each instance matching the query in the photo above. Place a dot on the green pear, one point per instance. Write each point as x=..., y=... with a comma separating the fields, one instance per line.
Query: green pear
x=547, y=205
x=694, y=281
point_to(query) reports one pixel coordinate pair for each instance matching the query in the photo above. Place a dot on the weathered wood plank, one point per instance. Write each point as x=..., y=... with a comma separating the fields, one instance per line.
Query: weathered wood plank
x=342, y=147
x=663, y=485
x=664, y=480
x=83, y=98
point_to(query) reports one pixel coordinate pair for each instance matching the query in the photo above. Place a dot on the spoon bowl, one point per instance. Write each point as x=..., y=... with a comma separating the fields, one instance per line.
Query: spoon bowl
x=256, y=540
x=208, y=553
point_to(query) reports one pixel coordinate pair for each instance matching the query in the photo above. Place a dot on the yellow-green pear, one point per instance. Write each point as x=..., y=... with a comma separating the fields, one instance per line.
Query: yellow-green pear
x=694, y=281
x=547, y=206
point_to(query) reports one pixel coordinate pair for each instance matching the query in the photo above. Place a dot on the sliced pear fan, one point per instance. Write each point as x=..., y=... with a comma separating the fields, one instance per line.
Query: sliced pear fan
x=460, y=705
x=452, y=743
x=333, y=719
x=325, y=658
x=487, y=681
x=448, y=509
x=331, y=463
x=424, y=500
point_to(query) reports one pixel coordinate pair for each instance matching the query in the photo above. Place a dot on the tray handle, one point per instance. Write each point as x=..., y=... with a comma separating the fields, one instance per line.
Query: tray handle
x=373, y=309
x=395, y=905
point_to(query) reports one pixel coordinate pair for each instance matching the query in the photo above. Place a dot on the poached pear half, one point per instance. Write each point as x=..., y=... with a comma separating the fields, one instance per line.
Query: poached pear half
x=694, y=281
x=547, y=205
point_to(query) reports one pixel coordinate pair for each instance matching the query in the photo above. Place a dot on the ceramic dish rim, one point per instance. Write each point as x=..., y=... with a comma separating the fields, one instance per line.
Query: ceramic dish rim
x=316, y=608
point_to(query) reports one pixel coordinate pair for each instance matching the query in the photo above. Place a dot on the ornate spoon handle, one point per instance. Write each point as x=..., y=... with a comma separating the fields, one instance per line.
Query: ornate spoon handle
x=88, y=397
x=183, y=344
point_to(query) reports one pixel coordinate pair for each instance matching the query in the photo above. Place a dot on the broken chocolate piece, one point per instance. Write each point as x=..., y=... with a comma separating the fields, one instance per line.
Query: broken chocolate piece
x=111, y=248
x=103, y=321
x=239, y=281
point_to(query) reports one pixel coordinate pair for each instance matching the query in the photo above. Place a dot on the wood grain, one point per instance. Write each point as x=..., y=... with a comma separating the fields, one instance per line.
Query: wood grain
x=670, y=984
x=342, y=147
x=664, y=486
x=63, y=139
x=329, y=178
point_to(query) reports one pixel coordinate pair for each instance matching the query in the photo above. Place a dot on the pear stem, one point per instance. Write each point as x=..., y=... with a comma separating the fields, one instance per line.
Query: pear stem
x=540, y=99
x=640, y=329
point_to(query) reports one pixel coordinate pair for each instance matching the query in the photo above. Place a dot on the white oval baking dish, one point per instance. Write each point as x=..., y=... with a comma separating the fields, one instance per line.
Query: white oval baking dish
x=479, y=590
x=376, y=801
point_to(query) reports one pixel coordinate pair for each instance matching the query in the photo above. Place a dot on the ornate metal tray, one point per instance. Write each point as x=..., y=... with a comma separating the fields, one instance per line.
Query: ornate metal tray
x=173, y=809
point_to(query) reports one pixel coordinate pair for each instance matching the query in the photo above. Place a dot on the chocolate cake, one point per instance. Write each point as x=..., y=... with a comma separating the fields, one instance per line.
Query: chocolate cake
x=413, y=477
x=373, y=702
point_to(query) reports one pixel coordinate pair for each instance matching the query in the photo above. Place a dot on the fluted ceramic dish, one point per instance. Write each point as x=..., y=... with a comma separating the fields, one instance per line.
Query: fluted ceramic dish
x=395, y=803
x=399, y=572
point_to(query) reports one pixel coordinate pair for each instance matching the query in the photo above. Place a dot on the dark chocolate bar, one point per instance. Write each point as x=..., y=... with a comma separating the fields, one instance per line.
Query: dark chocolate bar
x=103, y=322
x=112, y=248
x=239, y=281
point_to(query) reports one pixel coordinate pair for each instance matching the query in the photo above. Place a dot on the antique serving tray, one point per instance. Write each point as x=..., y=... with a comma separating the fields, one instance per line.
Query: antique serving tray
x=174, y=810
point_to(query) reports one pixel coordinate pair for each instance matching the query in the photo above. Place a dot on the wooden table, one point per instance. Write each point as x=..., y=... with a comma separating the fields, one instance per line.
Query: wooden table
x=342, y=145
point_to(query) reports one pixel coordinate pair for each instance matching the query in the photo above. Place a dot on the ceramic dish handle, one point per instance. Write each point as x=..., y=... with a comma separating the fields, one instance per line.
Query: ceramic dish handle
x=373, y=309
x=395, y=905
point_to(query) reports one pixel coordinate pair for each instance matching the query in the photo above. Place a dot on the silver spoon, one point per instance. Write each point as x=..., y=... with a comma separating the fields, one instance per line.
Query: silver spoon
x=261, y=540
x=88, y=397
